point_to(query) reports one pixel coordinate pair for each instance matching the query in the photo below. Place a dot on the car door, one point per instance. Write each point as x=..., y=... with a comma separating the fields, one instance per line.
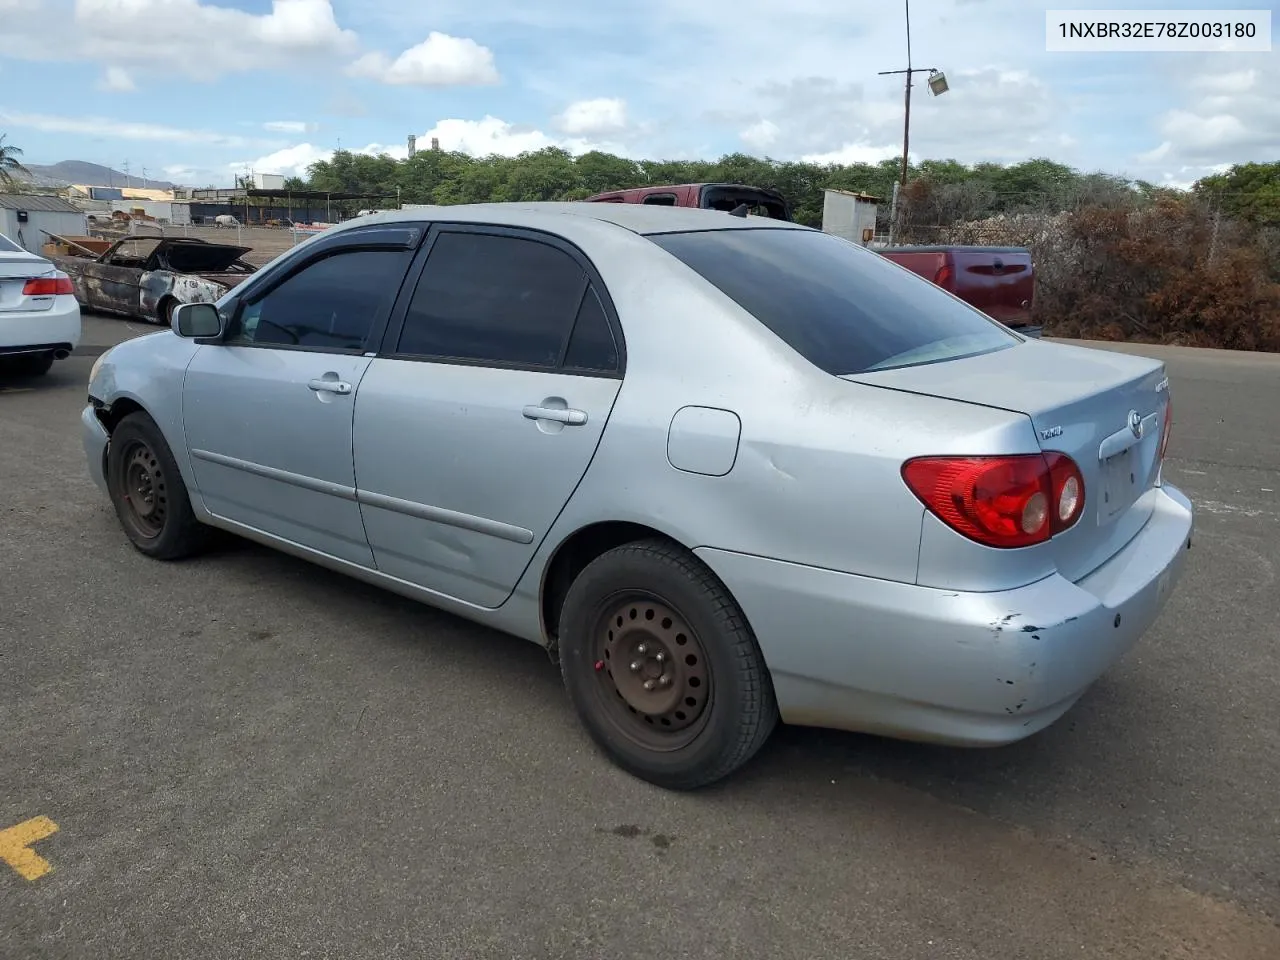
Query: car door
x=267, y=410
x=114, y=283
x=484, y=408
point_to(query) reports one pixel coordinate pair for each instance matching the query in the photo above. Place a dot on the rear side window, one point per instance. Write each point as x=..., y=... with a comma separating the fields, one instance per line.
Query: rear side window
x=843, y=308
x=492, y=298
x=592, y=346
x=8, y=246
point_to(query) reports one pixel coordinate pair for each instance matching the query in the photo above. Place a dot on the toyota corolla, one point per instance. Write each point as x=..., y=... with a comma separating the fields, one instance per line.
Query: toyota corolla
x=728, y=470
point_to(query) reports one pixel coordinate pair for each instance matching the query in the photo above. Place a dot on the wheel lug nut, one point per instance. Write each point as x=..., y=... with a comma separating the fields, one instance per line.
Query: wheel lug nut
x=648, y=684
x=642, y=650
x=635, y=666
x=665, y=680
x=661, y=657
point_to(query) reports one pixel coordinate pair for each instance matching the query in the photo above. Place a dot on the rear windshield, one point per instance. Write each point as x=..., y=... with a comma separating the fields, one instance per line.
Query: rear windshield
x=8, y=246
x=843, y=308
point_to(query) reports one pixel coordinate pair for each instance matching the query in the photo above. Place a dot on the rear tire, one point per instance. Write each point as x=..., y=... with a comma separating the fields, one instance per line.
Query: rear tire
x=662, y=668
x=148, y=493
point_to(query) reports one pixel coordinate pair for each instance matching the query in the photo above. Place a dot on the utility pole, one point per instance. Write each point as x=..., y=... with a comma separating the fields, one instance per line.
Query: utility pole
x=940, y=87
x=937, y=86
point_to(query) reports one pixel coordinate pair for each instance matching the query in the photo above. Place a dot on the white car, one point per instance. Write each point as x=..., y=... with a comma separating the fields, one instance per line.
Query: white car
x=39, y=315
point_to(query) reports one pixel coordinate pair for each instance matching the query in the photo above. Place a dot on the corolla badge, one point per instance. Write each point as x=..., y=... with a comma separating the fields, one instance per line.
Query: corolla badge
x=1135, y=423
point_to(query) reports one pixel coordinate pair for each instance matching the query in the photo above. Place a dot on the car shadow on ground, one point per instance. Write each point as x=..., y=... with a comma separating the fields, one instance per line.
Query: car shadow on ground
x=1048, y=769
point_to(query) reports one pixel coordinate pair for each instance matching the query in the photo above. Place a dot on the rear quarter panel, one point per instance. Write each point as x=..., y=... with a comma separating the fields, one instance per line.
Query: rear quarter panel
x=816, y=478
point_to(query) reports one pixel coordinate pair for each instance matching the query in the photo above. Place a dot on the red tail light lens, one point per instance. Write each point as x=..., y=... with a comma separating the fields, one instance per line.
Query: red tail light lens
x=55, y=286
x=1013, y=501
x=944, y=275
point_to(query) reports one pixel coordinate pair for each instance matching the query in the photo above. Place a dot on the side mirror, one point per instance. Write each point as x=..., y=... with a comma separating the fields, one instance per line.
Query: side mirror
x=196, y=320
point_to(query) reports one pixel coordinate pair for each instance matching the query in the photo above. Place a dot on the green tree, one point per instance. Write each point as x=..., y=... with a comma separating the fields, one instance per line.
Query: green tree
x=1249, y=191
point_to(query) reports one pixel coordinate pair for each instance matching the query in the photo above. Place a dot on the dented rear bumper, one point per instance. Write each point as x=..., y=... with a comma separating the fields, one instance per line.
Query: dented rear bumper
x=946, y=666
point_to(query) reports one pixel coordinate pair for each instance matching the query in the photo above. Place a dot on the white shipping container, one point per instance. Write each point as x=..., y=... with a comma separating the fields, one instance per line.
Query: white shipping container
x=268, y=181
x=849, y=215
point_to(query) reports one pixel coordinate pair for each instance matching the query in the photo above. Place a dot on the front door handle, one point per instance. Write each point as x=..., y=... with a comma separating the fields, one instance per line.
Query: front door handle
x=330, y=386
x=572, y=418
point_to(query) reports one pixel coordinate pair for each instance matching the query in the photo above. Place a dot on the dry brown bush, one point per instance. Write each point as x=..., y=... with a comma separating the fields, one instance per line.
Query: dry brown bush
x=1167, y=270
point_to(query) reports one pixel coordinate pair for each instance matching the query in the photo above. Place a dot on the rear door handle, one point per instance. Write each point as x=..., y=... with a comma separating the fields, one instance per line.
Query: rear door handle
x=330, y=386
x=572, y=418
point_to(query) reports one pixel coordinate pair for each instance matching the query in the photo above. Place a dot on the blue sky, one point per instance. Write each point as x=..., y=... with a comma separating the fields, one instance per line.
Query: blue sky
x=197, y=90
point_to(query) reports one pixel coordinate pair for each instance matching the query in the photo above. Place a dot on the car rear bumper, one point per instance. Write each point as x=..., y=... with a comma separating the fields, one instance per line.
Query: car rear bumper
x=39, y=331
x=94, y=438
x=969, y=669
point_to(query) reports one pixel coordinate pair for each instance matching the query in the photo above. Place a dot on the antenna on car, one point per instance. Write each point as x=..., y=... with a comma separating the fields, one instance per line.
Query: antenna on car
x=740, y=210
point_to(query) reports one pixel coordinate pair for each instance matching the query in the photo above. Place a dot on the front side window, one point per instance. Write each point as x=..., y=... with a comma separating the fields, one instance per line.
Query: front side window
x=840, y=306
x=493, y=298
x=331, y=303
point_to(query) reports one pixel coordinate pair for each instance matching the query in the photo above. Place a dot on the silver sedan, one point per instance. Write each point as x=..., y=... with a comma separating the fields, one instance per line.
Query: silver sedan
x=728, y=470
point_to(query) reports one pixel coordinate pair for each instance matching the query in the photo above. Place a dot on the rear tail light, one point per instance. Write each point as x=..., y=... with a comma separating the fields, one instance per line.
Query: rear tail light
x=1010, y=501
x=1166, y=429
x=946, y=273
x=55, y=286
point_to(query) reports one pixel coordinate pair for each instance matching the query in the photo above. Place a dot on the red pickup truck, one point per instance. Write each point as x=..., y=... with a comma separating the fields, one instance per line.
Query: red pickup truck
x=999, y=281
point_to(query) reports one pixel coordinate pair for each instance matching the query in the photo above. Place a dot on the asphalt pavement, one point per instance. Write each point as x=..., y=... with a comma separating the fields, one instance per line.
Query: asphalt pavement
x=245, y=756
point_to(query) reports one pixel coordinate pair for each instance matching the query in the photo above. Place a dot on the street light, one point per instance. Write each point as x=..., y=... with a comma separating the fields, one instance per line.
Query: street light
x=937, y=87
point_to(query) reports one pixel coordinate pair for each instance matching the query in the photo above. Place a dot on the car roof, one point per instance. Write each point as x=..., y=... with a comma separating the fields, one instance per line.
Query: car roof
x=638, y=218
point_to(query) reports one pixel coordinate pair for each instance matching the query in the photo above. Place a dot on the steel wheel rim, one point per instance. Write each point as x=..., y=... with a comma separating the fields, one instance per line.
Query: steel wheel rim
x=144, y=490
x=653, y=676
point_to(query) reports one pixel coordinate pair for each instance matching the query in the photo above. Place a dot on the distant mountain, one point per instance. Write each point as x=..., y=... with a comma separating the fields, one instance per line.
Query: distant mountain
x=94, y=174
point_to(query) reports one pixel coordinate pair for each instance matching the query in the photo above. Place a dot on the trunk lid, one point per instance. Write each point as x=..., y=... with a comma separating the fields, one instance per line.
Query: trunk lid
x=15, y=270
x=1082, y=402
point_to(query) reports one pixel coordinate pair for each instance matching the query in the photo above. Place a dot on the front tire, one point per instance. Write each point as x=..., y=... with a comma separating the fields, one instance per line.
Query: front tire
x=148, y=494
x=662, y=668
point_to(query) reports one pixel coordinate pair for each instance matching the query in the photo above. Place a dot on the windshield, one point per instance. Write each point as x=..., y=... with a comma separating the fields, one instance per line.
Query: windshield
x=8, y=246
x=842, y=307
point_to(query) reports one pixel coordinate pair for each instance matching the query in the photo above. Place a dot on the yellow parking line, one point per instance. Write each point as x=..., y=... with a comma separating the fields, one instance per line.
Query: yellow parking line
x=15, y=846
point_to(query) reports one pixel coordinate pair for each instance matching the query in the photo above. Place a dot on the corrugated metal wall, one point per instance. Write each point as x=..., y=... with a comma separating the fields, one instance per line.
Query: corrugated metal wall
x=28, y=235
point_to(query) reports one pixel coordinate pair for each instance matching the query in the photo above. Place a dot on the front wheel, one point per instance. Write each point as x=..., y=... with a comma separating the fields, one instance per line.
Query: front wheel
x=148, y=493
x=662, y=668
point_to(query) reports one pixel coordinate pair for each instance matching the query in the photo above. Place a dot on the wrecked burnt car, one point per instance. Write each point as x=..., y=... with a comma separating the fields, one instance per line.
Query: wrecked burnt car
x=146, y=277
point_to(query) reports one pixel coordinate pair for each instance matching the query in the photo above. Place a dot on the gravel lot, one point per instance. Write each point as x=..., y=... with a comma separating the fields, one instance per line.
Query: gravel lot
x=247, y=756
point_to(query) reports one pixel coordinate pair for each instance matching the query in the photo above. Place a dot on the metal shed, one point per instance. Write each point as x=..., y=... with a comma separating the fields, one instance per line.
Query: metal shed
x=23, y=217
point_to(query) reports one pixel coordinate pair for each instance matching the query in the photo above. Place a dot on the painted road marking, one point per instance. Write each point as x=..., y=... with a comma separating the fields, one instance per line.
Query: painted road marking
x=15, y=846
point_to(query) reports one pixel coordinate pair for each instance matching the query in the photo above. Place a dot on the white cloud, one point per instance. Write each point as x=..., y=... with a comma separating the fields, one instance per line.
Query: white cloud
x=290, y=161
x=439, y=61
x=124, y=129
x=185, y=34
x=760, y=135
x=478, y=138
x=852, y=153
x=116, y=80
x=1226, y=112
x=487, y=136
x=288, y=126
x=588, y=117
